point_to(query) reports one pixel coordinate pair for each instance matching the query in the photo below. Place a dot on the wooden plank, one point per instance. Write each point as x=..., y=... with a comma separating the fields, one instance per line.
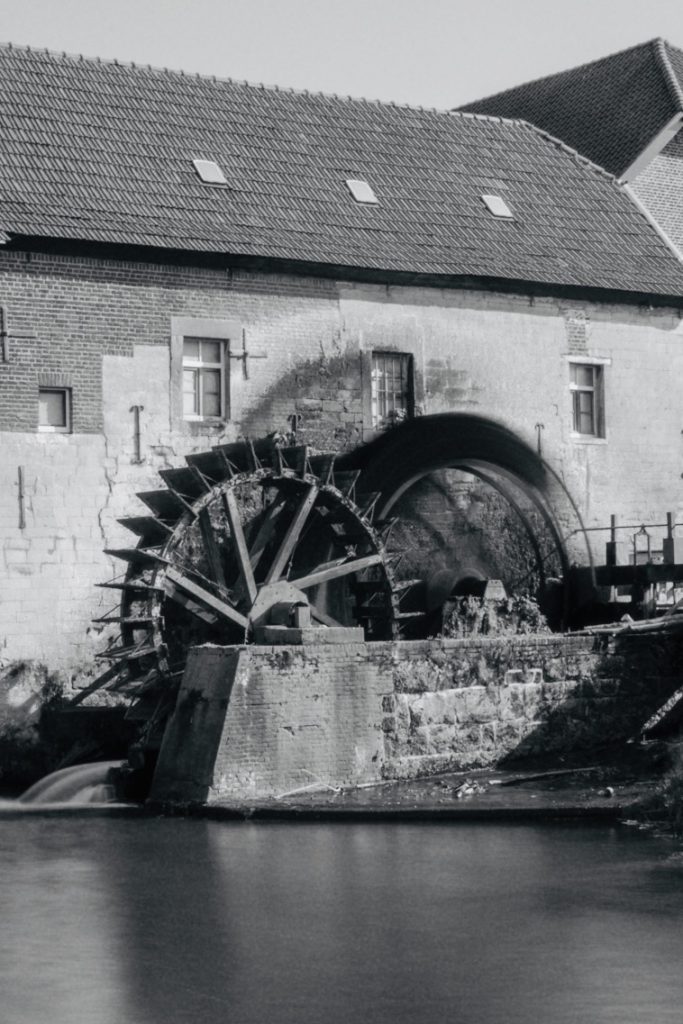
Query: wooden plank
x=292, y=535
x=335, y=571
x=212, y=550
x=205, y=597
x=241, y=549
x=295, y=457
x=131, y=585
x=192, y=606
x=667, y=716
x=152, y=529
x=144, y=556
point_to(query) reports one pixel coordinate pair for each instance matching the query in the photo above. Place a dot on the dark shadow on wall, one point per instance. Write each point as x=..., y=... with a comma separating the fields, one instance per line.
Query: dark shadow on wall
x=451, y=522
x=609, y=695
x=320, y=401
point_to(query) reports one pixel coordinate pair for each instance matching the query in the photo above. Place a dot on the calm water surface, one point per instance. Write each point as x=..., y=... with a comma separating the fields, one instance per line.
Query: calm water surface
x=169, y=921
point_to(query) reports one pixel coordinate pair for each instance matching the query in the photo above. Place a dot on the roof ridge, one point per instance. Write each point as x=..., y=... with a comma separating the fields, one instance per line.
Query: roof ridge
x=483, y=117
x=219, y=79
x=559, y=74
x=672, y=82
x=579, y=157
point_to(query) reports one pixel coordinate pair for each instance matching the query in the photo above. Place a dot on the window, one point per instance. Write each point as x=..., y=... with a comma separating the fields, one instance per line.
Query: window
x=392, y=388
x=361, y=191
x=586, y=386
x=209, y=172
x=498, y=207
x=54, y=410
x=203, y=379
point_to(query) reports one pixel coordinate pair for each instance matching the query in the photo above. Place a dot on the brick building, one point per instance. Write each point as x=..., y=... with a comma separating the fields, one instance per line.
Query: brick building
x=187, y=261
x=624, y=112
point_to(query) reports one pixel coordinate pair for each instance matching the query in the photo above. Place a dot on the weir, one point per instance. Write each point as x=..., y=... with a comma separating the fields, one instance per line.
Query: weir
x=77, y=784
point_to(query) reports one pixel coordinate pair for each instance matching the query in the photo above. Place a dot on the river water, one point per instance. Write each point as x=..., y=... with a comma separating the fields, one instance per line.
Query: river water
x=172, y=921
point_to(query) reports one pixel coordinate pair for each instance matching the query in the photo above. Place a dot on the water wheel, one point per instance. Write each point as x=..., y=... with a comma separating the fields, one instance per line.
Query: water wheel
x=236, y=530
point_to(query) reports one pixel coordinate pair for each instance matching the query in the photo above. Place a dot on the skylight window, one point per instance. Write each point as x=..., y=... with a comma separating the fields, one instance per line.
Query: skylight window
x=361, y=191
x=209, y=172
x=498, y=207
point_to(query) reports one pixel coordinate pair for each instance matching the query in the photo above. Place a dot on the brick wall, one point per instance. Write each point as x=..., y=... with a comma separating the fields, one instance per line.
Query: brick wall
x=104, y=327
x=259, y=722
x=660, y=188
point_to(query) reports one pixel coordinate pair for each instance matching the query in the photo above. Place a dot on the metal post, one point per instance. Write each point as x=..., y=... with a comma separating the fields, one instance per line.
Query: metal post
x=22, y=510
x=4, y=334
x=539, y=442
x=137, y=459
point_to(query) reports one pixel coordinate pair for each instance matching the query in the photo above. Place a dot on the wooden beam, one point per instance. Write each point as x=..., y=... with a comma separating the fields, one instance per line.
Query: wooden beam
x=241, y=549
x=335, y=571
x=205, y=597
x=292, y=535
x=211, y=547
x=190, y=605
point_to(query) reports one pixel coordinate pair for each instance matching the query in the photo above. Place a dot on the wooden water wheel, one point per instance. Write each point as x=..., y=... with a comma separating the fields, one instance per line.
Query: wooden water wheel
x=221, y=542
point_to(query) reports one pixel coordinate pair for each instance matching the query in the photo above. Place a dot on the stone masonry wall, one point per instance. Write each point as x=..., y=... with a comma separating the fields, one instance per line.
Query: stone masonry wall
x=104, y=329
x=259, y=722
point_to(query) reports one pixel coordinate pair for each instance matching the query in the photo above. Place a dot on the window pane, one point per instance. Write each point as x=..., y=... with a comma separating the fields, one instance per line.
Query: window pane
x=584, y=405
x=52, y=408
x=211, y=392
x=390, y=386
x=583, y=375
x=191, y=348
x=211, y=351
x=190, y=394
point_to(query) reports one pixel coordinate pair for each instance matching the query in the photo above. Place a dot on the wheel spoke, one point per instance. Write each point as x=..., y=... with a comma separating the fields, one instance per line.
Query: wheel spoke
x=175, y=580
x=241, y=550
x=211, y=547
x=335, y=570
x=292, y=535
x=265, y=531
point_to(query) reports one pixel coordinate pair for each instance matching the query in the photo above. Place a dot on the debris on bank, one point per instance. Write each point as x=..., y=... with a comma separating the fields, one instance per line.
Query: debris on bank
x=614, y=789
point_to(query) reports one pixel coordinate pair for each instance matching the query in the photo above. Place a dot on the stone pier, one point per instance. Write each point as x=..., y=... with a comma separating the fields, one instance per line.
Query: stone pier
x=259, y=722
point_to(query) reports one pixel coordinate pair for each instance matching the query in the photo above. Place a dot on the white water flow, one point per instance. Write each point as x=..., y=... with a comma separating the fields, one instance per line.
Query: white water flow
x=79, y=784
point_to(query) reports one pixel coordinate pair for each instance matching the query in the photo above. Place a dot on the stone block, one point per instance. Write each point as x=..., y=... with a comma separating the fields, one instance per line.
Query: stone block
x=419, y=741
x=312, y=635
x=474, y=705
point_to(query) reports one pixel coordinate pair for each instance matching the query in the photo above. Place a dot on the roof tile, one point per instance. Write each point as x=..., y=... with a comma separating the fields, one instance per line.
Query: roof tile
x=609, y=109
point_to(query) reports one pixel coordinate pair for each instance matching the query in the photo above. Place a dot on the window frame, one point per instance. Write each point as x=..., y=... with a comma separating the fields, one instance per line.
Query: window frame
x=230, y=333
x=199, y=366
x=596, y=389
x=48, y=428
x=408, y=408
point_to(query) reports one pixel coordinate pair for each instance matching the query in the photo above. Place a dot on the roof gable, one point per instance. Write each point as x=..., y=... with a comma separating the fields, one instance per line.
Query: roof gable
x=609, y=110
x=104, y=152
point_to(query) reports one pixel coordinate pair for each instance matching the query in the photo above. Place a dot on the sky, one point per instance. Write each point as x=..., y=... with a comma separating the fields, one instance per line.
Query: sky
x=432, y=53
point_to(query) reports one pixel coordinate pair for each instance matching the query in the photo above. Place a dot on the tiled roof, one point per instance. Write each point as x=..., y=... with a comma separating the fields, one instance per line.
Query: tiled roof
x=609, y=110
x=102, y=152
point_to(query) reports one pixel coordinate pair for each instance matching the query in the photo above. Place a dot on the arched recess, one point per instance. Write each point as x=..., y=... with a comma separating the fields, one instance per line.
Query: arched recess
x=393, y=463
